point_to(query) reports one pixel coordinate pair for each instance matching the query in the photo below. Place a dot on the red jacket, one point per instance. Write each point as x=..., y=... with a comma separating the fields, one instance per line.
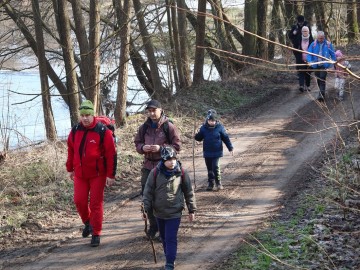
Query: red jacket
x=90, y=158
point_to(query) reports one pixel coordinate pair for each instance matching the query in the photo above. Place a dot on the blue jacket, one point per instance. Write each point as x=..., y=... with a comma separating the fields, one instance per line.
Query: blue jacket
x=212, y=138
x=328, y=51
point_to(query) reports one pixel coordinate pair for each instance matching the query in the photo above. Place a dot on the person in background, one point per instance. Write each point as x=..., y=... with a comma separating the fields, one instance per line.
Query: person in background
x=213, y=134
x=91, y=164
x=304, y=70
x=300, y=36
x=167, y=186
x=341, y=74
x=321, y=51
x=157, y=132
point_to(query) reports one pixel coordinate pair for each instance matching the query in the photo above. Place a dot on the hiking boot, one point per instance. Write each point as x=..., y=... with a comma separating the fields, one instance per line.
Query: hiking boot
x=301, y=89
x=169, y=266
x=210, y=187
x=220, y=187
x=95, y=240
x=307, y=88
x=87, y=229
x=321, y=96
x=151, y=234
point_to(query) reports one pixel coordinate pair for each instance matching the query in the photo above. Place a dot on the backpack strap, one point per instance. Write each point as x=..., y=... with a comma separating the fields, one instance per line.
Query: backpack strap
x=99, y=128
x=165, y=127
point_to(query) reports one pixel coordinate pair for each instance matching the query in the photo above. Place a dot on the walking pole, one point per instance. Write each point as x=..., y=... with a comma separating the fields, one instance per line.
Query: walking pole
x=148, y=237
x=193, y=152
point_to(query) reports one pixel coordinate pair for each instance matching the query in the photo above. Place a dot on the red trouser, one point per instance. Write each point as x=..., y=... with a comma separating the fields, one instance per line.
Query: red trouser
x=94, y=210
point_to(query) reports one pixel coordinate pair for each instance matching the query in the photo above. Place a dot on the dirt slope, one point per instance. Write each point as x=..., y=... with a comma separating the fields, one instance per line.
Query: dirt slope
x=274, y=147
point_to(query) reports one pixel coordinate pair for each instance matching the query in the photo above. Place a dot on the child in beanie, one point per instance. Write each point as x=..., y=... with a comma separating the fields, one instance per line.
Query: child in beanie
x=167, y=190
x=340, y=74
x=213, y=134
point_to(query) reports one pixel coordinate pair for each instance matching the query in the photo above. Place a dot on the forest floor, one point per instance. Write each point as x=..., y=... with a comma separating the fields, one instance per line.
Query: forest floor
x=280, y=143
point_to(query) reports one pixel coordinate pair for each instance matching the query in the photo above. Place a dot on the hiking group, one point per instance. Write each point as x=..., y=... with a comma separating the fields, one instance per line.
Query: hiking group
x=165, y=185
x=316, y=56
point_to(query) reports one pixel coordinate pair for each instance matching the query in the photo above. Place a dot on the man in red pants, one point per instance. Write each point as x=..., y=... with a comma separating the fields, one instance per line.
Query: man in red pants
x=91, y=164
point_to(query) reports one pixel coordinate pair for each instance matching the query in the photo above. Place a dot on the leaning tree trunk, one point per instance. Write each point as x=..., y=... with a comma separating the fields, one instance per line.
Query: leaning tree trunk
x=63, y=26
x=159, y=92
x=45, y=93
x=14, y=15
x=123, y=13
x=83, y=42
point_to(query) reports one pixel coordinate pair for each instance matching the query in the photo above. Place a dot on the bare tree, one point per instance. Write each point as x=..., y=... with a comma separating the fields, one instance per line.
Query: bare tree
x=159, y=92
x=45, y=93
x=352, y=23
x=63, y=26
x=123, y=12
x=262, y=29
x=250, y=25
x=94, y=50
x=198, y=77
x=184, y=55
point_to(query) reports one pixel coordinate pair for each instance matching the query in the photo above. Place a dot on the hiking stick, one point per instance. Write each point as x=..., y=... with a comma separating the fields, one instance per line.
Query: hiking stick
x=148, y=237
x=193, y=150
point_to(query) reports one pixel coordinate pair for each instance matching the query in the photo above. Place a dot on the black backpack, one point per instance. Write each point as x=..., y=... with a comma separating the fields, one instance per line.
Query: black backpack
x=100, y=128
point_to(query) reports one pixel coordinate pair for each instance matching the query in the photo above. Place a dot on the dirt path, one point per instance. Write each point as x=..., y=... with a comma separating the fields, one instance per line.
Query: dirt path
x=273, y=151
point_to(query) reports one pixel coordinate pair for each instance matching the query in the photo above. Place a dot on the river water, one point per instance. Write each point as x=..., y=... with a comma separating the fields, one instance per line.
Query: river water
x=21, y=115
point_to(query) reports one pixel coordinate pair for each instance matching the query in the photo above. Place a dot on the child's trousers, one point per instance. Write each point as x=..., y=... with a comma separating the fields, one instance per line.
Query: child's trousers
x=168, y=229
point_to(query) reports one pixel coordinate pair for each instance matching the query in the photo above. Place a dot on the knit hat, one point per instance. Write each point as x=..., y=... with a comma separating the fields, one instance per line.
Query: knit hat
x=167, y=152
x=338, y=53
x=86, y=108
x=153, y=104
x=212, y=115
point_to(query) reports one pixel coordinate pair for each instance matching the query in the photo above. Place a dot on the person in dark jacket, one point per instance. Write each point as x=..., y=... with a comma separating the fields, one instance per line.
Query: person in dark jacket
x=213, y=134
x=301, y=39
x=91, y=164
x=157, y=132
x=166, y=188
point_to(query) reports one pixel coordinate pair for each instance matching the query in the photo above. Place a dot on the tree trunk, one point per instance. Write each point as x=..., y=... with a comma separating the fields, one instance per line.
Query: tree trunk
x=250, y=25
x=94, y=49
x=45, y=93
x=275, y=29
x=213, y=55
x=63, y=26
x=171, y=12
x=124, y=24
x=184, y=55
x=308, y=10
x=352, y=23
x=262, y=29
x=80, y=32
x=159, y=92
x=321, y=17
x=198, y=76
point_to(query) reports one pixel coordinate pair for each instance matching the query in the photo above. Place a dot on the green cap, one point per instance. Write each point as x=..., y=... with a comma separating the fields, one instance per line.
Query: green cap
x=86, y=107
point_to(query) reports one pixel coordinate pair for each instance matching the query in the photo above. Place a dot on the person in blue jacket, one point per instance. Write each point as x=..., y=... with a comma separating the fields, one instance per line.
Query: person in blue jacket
x=213, y=134
x=324, y=48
